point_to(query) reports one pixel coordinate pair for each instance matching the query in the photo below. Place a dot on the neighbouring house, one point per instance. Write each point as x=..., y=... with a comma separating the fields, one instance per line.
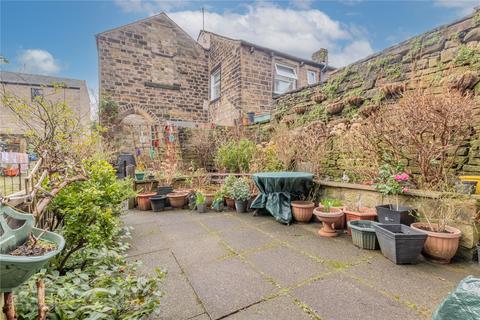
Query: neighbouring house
x=158, y=75
x=29, y=86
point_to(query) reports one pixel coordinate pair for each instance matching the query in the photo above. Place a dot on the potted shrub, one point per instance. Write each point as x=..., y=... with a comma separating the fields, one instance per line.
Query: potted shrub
x=334, y=204
x=227, y=189
x=442, y=240
x=330, y=217
x=200, y=202
x=302, y=210
x=400, y=243
x=158, y=202
x=392, y=182
x=143, y=199
x=241, y=193
x=165, y=176
x=363, y=234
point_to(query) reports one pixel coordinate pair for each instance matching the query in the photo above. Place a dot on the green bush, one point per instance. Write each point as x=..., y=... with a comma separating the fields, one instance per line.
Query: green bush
x=235, y=156
x=106, y=288
x=89, y=210
x=241, y=190
x=227, y=187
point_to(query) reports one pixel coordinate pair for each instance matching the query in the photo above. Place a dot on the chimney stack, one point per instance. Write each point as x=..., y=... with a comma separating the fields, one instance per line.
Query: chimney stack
x=320, y=56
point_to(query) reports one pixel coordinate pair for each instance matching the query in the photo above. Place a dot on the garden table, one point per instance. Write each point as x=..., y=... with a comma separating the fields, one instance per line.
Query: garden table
x=277, y=189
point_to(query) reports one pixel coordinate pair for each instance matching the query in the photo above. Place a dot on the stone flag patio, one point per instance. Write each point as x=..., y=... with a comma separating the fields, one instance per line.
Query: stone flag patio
x=237, y=266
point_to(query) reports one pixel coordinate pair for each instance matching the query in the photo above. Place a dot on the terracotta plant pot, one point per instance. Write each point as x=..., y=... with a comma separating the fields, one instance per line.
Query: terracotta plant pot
x=143, y=201
x=177, y=199
x=340, y=224
x=230, y=203
x=440, y=246
x=209, y=198
x=360, y=214
x=302, y=210
x=329, y=219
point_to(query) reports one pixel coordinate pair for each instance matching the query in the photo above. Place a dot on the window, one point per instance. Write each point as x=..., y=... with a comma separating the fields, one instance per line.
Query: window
x=215, y=85
x=36, y=92
x=311, y=77
x=285, y=79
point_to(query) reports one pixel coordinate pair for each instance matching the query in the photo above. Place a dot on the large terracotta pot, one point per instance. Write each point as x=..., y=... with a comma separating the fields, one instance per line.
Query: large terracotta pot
x=209, y=198
x=302, y=210
x=329, y=220
x=143, y=201
x=177, y=199
x=230, y=203
x=360, y=214
x=340, y=223
x=440, y=246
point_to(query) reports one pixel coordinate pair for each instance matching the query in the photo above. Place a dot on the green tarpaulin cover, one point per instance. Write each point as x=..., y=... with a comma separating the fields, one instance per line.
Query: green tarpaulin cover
x=461, y=304
x=278, y=189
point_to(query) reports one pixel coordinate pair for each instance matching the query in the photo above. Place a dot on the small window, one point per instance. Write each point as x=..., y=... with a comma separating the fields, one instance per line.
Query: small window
x=311, y=77
x=285, y=79
x=36, y=92
x=215, y=79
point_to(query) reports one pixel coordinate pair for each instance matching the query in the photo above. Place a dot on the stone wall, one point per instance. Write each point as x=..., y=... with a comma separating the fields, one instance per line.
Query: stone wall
x=153, y=67
x=429, y=60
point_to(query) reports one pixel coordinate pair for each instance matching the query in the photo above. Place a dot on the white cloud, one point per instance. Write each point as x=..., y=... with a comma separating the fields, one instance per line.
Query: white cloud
x=301, y=4
x=297, y=32
x=38, y=61
x=463, y=7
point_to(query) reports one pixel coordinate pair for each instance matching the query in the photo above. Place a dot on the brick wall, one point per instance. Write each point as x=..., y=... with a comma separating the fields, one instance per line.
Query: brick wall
x=427, y=60
x=153, y=67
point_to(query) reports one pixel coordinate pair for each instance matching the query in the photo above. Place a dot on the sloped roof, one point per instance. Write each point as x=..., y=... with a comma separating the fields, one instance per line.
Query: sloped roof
x=37, y=79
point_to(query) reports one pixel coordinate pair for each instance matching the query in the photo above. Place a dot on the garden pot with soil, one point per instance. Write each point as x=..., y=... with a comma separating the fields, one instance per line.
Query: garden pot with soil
x=230, y=203
x=177, y=199
x=143, y=201
x=440, y=246
x=400, y=243
x=139, y=176
x=396, y=214
x=241, y=206
x=363, y=234
x=209, y=198
x=302, y=210
x=202, y=208
x=329, y=218
x=158, y=202
x=360, y=214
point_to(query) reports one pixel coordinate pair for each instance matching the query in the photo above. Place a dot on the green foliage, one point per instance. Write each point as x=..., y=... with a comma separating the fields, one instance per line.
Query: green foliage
x=235, y=156
x=468, y=56
x=89, y=209
x=227, y=187
x=387, y=182
x=107, y=110
x=265, y=158
x=200, y=198
x=106, y=288
x=331, y=87
x=330, y=203
x=319, y=112
x=241, y=189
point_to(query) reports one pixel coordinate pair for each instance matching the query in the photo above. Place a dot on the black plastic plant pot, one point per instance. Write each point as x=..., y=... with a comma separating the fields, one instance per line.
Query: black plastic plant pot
x=363, y=234
x=158, y=202
x=202, y=208
x=400, y=243
x=391, y=214
x=241, y=206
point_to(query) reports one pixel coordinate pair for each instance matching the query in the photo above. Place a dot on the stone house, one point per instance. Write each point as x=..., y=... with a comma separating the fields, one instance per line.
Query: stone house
x=155, y=71
x=27, y=87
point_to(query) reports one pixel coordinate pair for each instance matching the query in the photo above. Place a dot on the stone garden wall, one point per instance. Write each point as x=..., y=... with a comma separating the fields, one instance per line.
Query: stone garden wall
x=433, y=59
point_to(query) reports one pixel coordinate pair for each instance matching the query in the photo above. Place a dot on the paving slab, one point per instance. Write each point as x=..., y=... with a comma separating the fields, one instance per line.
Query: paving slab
x=245, y=238
x=279, y=308
x=338, y=297
x=227, y=286
x=183, y=230
x=162, y=259
x=285, y=266
x=221, y=222
x=199, y=251
x=146, y=237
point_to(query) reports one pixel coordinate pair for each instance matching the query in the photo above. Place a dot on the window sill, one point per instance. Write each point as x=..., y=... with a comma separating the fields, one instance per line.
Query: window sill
x=215, y=100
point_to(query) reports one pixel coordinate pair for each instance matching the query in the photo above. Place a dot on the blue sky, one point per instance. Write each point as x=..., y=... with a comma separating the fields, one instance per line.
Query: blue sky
x=58, y=37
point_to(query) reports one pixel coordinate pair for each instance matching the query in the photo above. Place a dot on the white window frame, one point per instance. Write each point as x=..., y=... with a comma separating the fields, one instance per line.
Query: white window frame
x=311, y=73
x=289, y=78
x=215, y=85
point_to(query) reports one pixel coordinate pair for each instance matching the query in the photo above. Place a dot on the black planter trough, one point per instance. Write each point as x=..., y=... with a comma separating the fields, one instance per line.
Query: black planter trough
x=393, y=214
x=400, y=243
x=158, y=202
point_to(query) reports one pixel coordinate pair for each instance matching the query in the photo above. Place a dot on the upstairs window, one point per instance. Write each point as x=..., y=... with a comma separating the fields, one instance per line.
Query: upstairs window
x=36, y=92
x=285, y=79
x=311, y=77
x=215, y=85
